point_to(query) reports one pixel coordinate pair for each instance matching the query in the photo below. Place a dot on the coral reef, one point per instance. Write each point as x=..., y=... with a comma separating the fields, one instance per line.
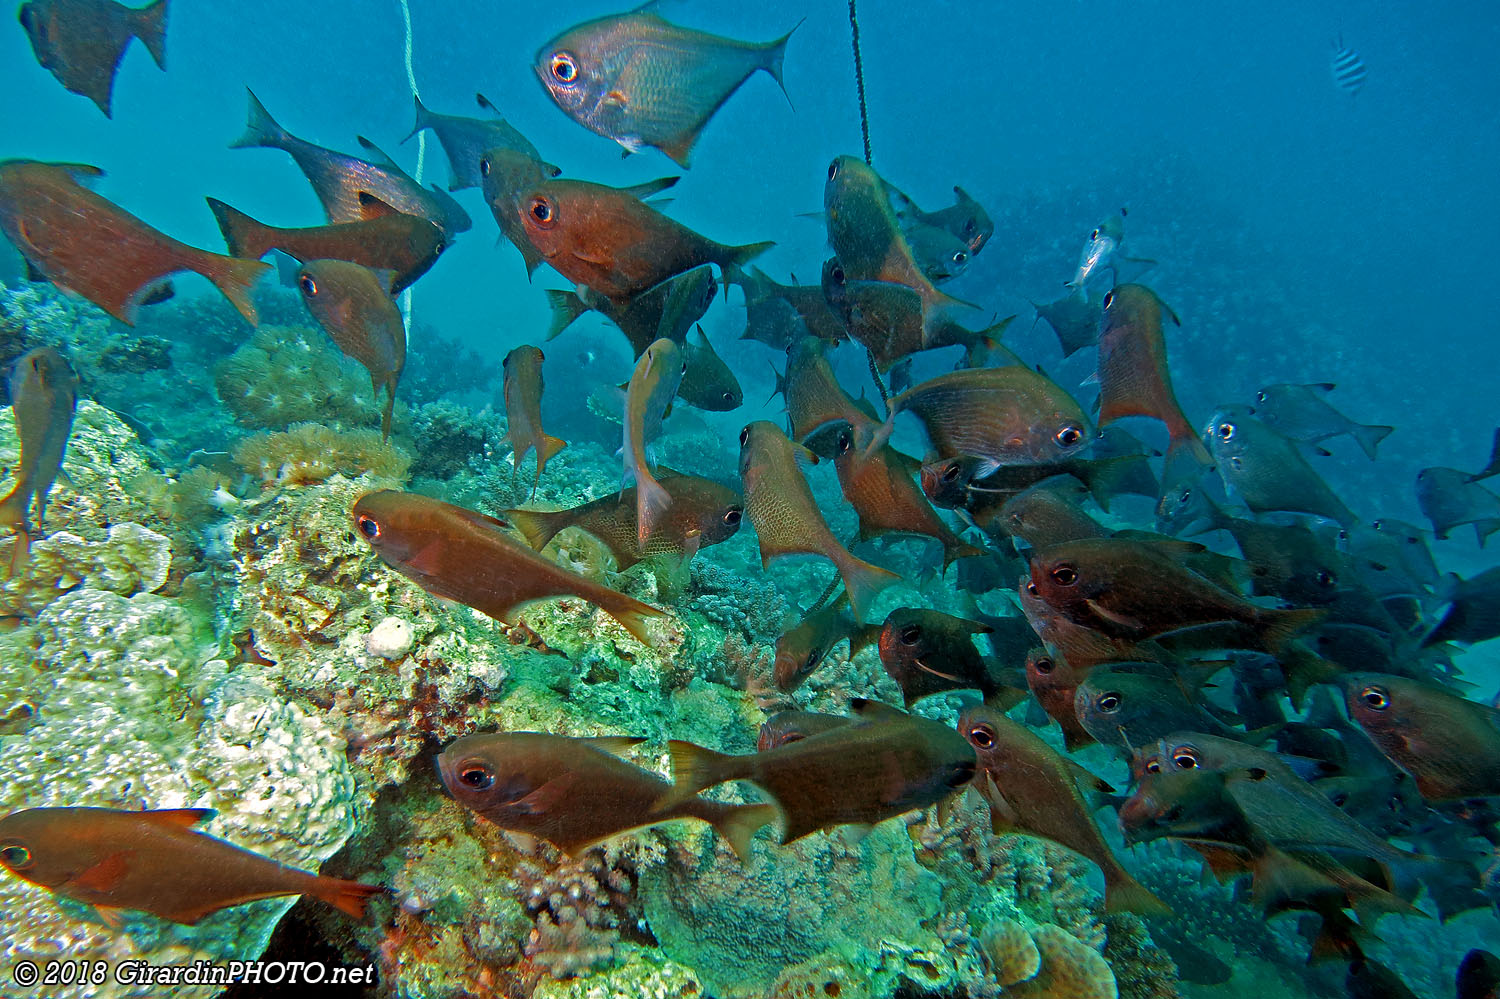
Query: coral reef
x=1070, y=969
x=311, y=452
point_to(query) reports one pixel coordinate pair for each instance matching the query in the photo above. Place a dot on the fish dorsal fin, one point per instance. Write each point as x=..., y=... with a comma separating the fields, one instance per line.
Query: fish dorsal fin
x=387, y=279
x=614, y=745
x=871, y=710
x=1323, y=387
x=483, y=520
x=485, y=104
x=547, y=797
x=372, y=207
x=33, y=272
x=380, y=155
x=82, y=173
x=179, y=818
x=105, y=876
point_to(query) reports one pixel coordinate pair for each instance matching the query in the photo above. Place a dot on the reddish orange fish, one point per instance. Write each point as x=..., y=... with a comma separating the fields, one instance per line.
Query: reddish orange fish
x=523, y=409
x=81, y=42
x=44, y=394
x=92, y=247
x=154, y=862
x=354, y=306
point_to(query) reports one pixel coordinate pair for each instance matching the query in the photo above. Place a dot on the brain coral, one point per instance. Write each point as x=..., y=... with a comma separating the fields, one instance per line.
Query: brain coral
x=1070, y=969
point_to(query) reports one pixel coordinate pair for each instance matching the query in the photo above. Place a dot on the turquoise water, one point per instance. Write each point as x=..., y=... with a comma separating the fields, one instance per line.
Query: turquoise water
x=201, y=626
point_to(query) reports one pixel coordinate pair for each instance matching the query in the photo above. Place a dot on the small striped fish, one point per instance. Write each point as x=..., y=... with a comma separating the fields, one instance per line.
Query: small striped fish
x=1348, y=68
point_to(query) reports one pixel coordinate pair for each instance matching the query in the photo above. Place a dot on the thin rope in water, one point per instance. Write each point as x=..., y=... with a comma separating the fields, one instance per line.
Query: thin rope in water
x=859, y=81
x=411, y=82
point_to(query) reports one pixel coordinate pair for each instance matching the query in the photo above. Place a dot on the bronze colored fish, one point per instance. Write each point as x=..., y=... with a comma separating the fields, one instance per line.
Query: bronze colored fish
x=407, y=245
x=1032, y=789
x=789, y=726
x=338, y=179
x=466, y=140
x=614, y=242
x=1448, y=743
x=1049, y=513
x=457, y=554
x=665, y=311
x=786, y=517
x=1054, y=684
x=702, y=513
x=153, y=862
x=523, y=409
x=354, y=306
x=576, y=793
x=883, y=765
x=505, y=175
x=1133, y=590
x=884, y=493
x=44, y=394
x=1001, y=416
x=803, y=648
x=928, y=652
x=648, y=397
x=1133, y=375
x=92, y=247
x=81, y=42
x=814, y=397
x=779, y=314
x=642, y=81
x=889, y=321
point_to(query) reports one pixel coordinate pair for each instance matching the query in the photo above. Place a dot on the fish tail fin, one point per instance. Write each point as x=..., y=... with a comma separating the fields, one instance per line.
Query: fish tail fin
x=693, y=769
x=863, y=582
x=244, y=236
x=632, y=615
x=775, y=58
x=566, y=308
x=1123, y=893
x=349, y=897
x=739, y=824
x=1484, y=528
x=1304, y=669
x=1279, y=627
x=538, y=526
x=423, y=119
x=735, y=257
x=651, y=502
x=957, y=548
x=1368, y=435
x=546, y=448
x=234, y=278
x=261, y=130
x=149, y=24
x=1184, y=438
x=14, y=514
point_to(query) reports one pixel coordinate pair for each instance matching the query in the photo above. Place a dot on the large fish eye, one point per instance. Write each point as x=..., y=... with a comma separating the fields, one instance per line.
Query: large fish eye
x=1153, y=765
x=484, y=166
x=733, y=516
x=812, y=660
x=1226, y=431
x=910, y=634
x=1375, y=697
x=564, y=67
x=833, y=170
x=1043, y=666
x=1109, y=298
x=308, y=285
x=1260, y=397
x=1064, y=575
x=1185, y=759
x=838, y=275
x=950, y=472
x=1031, y=587
x=970, y=227
x=1326, y=579
x=845, y=441
x=543, y=212
x=728, y=397
x=1093, y=235
x=960, y=257
x=1068, y=436
x=744, y=437
x=15, y=856
x=1109, y=702
x=476, y=776
x=982, y=735
x=368, y=526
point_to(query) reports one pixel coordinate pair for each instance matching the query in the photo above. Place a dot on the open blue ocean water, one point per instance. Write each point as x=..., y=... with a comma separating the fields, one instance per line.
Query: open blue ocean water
x=242, y=599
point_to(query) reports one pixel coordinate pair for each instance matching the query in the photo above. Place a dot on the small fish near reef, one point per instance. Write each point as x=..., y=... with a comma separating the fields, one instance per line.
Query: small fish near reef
x=523, y=409
x=44, y=395
x=154, y=862
x=93, y=248
x=648, y=398
x=457, y=554
x=644, y=82
x=354, y=306
x=81, y=42
x=576, y=793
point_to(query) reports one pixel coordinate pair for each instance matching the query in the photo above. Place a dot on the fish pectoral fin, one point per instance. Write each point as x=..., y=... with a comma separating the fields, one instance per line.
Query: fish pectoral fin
x=1003, y=815
x=111, y=916
x=855, y=832
x=615, y=100
x=545, y=798
x=106, y=875
x=1123, y=620
x=372, y=207
x=34, y=273
x=180, y=818
x=922, y=665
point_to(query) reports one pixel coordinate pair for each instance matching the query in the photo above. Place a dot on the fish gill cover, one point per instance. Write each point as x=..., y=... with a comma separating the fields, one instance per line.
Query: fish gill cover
x=1044, y=433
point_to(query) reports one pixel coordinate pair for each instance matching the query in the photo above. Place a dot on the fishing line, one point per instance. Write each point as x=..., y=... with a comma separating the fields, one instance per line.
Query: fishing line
x=411, y=82
x=859, y=81
x=827, y=592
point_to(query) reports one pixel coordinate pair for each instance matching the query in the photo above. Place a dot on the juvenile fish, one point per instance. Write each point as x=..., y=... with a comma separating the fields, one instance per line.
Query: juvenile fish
x=457, y=554
x=642, y=81
x=814, y=397
x=1104, y=251
x=707, y=382
x=523, y=410
x=882, y=765
x=702, y=513
x=939, y=254
x=1450, y=498
x=653, y=384
x=1075, y=319
x=94, y=248
x=1267, y=470
x=803, y=648
x=338, y=179
x=1449, y=744
x=1032, y=789
x=613, y=242
x=1302, y=413
x=43, y=394
x=466, y=140
x=354, y=306
x=965, y=218
x=1049, y=513
x=406, y=245
x=576, y=793
x=81, y=42
x=154, y=862
x=787, y=518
